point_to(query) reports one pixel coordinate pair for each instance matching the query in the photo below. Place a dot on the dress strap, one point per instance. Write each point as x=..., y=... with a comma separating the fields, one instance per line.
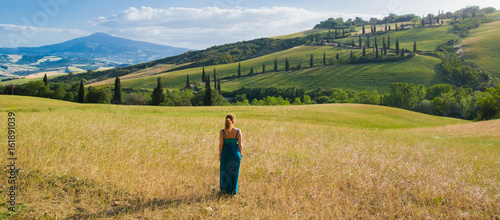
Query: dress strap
x=224, y=133
x=237, y=132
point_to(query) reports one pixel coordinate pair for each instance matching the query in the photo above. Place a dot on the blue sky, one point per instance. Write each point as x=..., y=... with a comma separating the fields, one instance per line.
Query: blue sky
x=194, y=24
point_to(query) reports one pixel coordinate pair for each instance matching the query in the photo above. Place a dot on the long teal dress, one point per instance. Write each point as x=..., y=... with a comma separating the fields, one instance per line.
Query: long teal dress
x=230, y=159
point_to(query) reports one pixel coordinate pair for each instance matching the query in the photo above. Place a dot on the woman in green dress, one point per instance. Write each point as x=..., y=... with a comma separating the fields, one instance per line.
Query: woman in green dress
x=230, y=153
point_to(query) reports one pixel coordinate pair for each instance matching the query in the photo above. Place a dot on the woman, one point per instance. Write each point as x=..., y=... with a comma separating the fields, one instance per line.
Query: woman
x=230, y=147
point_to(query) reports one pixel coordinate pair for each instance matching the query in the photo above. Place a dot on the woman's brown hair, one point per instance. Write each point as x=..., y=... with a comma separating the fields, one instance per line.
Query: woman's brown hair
x=229, y=121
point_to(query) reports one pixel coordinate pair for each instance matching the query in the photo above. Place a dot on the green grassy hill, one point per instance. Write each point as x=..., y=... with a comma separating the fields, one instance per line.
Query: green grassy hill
x=427, y=38
x=482, y=47
x=177, y=79
x=418, y=70
x=356, y=77
x=81, y=161
x=376, y=76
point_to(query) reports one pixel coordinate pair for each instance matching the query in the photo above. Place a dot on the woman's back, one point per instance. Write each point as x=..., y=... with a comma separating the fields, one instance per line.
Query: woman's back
x=230, y=156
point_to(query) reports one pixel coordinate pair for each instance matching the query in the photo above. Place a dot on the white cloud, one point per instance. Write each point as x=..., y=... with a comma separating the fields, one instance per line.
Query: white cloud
x=199, y=28
x=31, y=36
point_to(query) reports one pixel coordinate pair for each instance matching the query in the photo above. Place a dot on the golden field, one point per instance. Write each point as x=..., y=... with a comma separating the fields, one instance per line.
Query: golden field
x=299, y=162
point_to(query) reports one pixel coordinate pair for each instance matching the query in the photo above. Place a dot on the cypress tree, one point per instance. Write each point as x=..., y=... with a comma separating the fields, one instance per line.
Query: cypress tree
x=218, y=87
x=388, y=41
x=396, y=26
x=360, y=42
x=157, y=96
x=386, y=27
x=368, y=41
x=384, y=47
x=275, y=65
x=350, y=56
x=376, y=45
x=397, y=46
x=117, y=99
x=364, y=51
x=414, y=46
x=343, y=33
x=203, y=75
x=264, y=67
x=81, y=93
x=311, y=61
x=188, y=84
x=45, y=80
x=437, y=19
x=389, y=27
x=208, y=93
x=215, y=79
x=239, y=70
x=337, y=57
x=403, y=52
x=287, y=65
x=363, y=29
x=324, y=58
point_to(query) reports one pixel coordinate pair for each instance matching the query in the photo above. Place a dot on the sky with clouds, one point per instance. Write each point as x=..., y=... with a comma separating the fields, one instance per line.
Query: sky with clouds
x=194, y=24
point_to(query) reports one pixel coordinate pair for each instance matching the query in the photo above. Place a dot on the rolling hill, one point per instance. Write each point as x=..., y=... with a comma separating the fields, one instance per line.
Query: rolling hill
x=482, y=47
x=315, y=161
x=357, y=77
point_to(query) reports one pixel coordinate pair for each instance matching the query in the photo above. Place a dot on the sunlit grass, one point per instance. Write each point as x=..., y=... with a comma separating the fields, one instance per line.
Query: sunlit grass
x=379, y=76
x=356, y=77
x=482, y=47
x=322, y=161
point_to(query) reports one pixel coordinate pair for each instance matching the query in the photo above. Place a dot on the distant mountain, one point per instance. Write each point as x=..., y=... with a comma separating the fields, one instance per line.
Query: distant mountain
x=101, y=46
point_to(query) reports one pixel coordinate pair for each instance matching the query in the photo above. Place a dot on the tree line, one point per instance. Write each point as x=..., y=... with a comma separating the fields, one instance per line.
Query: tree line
x=440, y=99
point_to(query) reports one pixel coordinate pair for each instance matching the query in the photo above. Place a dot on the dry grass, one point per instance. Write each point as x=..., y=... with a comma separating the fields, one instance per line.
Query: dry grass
x=91, y=161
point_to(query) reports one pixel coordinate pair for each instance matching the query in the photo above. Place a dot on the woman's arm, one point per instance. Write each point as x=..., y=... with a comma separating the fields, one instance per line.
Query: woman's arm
x=240, y=143
x=221, y=143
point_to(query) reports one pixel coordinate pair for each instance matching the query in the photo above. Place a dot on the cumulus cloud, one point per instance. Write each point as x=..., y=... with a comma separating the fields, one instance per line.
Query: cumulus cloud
x=31, y=36
x=199, y=28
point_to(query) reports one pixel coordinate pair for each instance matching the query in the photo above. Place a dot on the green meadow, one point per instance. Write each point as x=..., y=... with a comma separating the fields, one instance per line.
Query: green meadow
x=375, y=76
x=355, y=77
x=427, y=38
x=482, y=47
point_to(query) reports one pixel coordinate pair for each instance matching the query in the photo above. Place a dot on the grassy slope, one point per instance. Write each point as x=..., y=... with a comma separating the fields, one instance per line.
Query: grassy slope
x=419, y=70
x=369, y=77
x=301, y=34
x=482, y=47
x=344, y=115
x=24, y=80
x=427, y=38
x=319, y=161
x=177, y=79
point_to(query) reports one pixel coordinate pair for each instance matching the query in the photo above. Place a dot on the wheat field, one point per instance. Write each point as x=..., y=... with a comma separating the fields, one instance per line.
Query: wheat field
x=299, y=162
